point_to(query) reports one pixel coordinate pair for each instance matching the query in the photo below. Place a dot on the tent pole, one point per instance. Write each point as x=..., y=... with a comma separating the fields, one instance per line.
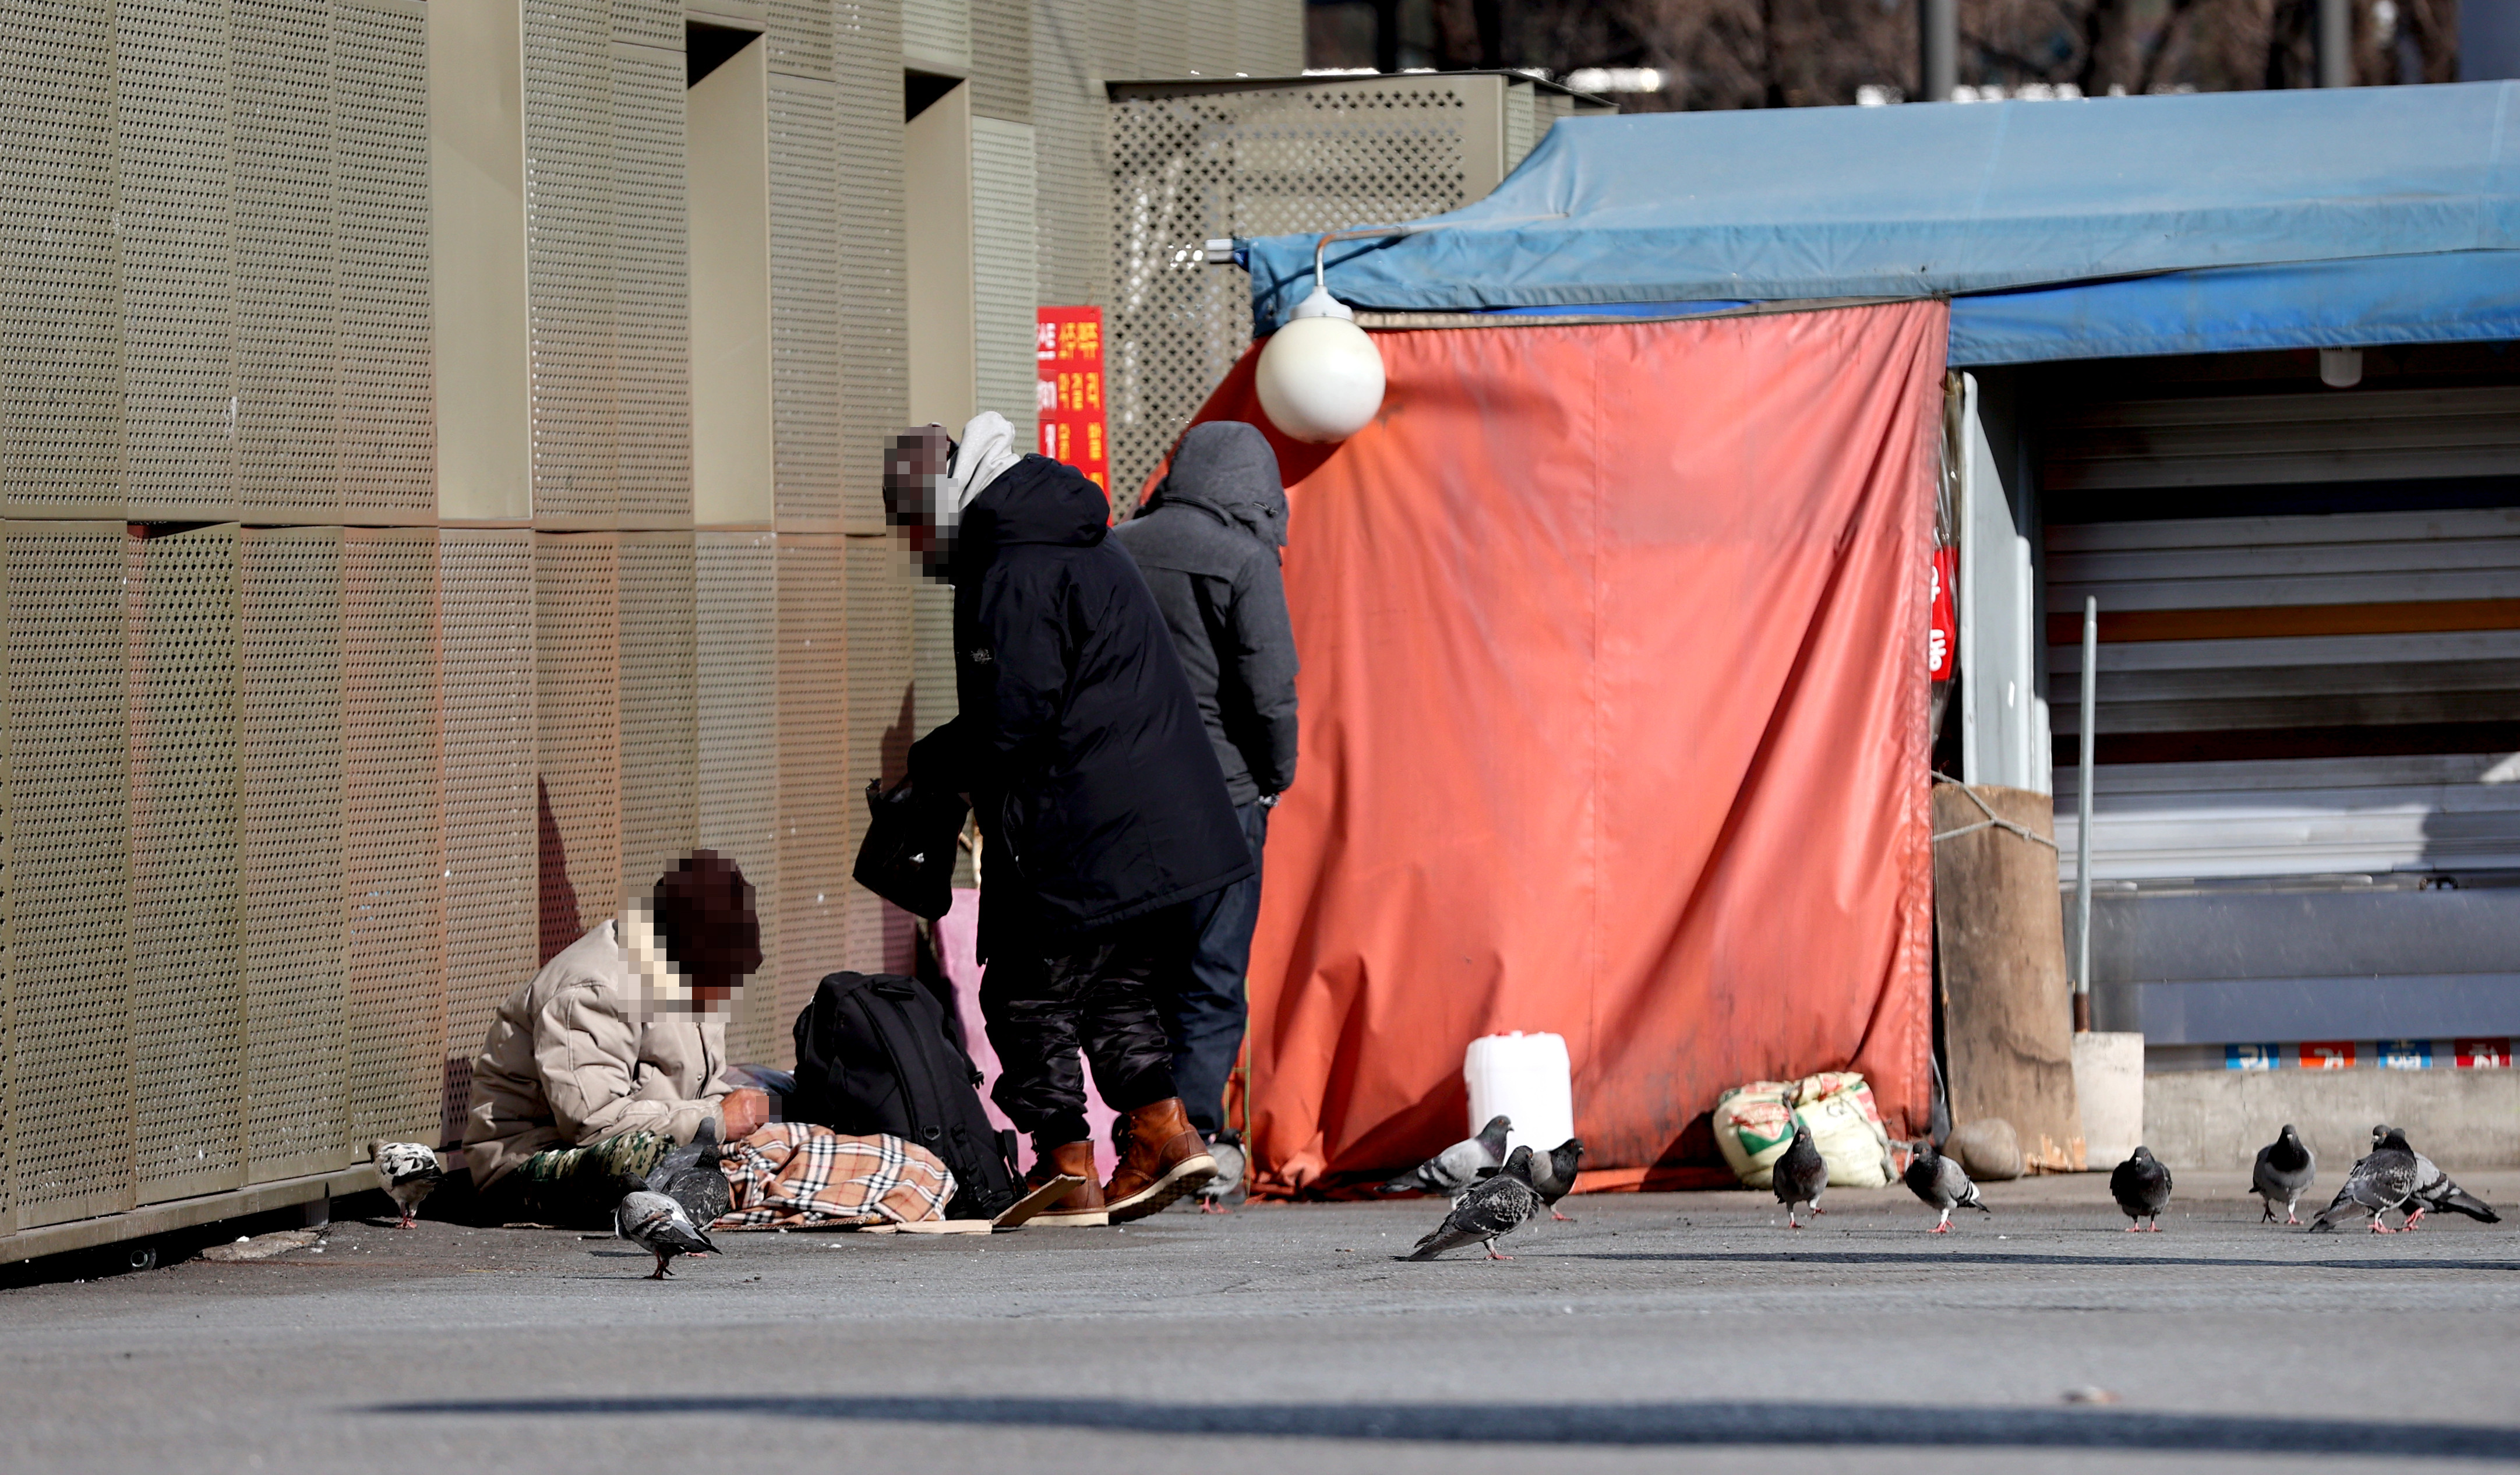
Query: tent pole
x=2083, y=812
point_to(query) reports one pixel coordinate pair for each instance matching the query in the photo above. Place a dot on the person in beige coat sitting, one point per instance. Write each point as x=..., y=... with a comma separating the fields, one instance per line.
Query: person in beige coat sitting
x=616, y=1052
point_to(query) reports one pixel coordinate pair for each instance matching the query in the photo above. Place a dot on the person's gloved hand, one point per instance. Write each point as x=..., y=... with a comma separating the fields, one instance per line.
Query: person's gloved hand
x=743, y=1112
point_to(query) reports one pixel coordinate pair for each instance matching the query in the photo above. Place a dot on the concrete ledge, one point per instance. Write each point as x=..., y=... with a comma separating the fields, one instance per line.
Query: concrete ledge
x=183, y=1214
x=2219, y=1119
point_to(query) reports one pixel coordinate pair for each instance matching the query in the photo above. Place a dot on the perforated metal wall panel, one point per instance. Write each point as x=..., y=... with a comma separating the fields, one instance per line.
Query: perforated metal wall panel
x=178, y=263
x=648, y=22
x=1001, y=85
x=801, y=32
x=939, y=30
x=1186, y=168
x=1268, y=36
x=289, y=849
x=932, y=653
x=1004, y=291
x=1208, y=38
x=287, y=445
x=874, y=379
x=577, y=741
x=737, y=699
x=1071, y=226
x=381, y=139
x=60, y=344
x=651, y=240
x=188, y=1014
x=815, y=802
x=883, y=711
x=489, y=685
x=70, y=839
x=570, y=256
x=804, y=304
x=658, y=809
x=392, y=848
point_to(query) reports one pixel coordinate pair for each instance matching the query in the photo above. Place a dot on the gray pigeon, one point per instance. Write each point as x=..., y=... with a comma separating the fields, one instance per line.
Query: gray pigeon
x=2435, y=1194
x=690, y=1175
x=660, y=1225
x=1942, y=1183
x=409, y=1171
x=2141, y=1186
x=1800, y=1175
x=2384, y=1180
x=1553, y=1175
x=1457, y=1166
x=2283, y=1173
x=1488, y=1212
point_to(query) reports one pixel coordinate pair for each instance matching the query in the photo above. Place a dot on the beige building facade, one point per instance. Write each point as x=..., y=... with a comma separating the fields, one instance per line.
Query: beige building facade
x=440, y=444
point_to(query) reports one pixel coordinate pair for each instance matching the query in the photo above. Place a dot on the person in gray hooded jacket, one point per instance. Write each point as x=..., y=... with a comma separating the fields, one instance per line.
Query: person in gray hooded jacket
x=1207, y=540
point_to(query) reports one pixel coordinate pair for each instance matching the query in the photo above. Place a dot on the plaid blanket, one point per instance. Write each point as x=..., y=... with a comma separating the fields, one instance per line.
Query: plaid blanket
x=790, y=1175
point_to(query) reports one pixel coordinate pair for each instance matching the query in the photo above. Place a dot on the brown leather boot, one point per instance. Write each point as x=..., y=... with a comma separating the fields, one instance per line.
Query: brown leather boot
x=1165, y=1160
x=1082, y=1208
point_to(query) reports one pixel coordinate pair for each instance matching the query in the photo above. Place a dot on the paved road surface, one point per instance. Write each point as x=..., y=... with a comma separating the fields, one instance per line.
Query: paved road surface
x=1660, y=1331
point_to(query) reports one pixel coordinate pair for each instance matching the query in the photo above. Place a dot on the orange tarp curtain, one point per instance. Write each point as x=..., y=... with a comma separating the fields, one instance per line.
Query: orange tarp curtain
x=1614, y=725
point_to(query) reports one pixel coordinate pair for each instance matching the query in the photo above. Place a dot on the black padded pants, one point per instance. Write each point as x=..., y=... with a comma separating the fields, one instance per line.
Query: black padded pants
x=1102, y=996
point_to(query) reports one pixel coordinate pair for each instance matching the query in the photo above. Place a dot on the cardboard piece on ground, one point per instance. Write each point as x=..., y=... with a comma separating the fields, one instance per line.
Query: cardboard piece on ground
x=2007, y=1019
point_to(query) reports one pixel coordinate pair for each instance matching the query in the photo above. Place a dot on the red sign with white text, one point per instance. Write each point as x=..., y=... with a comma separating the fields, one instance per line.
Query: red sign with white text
x=2327, y=1055
x=1943, y=641
x=1067, y=347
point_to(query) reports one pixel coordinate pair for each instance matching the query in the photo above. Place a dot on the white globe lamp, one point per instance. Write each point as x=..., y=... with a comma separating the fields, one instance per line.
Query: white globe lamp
x=1320, y=379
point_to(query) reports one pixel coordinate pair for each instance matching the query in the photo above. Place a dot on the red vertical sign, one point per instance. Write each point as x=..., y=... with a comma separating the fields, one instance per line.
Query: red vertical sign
x=1067, y=347
x=1942, y=645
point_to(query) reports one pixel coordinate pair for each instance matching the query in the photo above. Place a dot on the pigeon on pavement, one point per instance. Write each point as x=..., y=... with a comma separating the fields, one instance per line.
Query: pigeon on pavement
x=2141, y=1186
x=660, y=1225
x=1553, y=1173
x=1457, y=1166
x=408, y=1171
x=690, y=1175
x=1800, y=1175
x=2384, y=1180
x=2435, y=1194
x=1487, y=1212
x=1942, y=1183
x=2283, y=1173
x=1223, y=1192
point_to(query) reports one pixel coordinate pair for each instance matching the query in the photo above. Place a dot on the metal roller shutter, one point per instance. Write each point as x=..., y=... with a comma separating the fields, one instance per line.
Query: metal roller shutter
x=2306, y=820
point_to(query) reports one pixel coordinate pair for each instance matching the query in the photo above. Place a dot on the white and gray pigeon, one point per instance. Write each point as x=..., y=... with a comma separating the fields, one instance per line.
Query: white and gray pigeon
x=2435, y=1194
x=2384, y=1180
x=1487, y=1212
x=1942, y=1183
x=2285, y=1171
x=1553, y=1173
x=660, y=1225
x=1457, y=1166
x=690, y=1175
x=2141, y=1186
x=1800, y=1175
x=409, y=1172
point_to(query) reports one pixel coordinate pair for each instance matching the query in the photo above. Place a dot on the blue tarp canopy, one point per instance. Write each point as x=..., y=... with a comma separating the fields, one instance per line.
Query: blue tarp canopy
x=2097, y=228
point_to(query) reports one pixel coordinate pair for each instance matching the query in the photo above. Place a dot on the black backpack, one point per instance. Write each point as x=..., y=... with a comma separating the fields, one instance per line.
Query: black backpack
x=874, y=1054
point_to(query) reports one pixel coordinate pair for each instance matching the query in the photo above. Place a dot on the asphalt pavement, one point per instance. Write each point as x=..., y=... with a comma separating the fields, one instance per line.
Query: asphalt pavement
x=1656, y=1331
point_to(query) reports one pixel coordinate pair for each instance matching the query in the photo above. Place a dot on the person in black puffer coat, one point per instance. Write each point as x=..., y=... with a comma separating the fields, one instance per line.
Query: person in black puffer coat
x=1207, y=541
x=1102, y=811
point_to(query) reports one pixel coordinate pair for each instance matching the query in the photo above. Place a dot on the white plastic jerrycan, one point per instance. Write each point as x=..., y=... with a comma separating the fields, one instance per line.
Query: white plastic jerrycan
x=1528, y=1077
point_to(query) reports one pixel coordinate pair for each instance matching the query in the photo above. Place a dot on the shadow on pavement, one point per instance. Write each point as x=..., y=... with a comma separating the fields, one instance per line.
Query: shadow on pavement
x=1805, y=1424
x=1935, y=1255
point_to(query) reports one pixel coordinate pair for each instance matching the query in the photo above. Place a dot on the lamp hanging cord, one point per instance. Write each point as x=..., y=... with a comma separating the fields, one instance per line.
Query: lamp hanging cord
x=1993, y=820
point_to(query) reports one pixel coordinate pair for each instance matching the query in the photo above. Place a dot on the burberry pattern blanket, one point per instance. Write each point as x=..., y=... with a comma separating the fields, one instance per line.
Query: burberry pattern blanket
x=790, y=1175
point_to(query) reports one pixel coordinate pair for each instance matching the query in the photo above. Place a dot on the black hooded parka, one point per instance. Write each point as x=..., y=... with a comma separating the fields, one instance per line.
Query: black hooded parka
x=1078, y=739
